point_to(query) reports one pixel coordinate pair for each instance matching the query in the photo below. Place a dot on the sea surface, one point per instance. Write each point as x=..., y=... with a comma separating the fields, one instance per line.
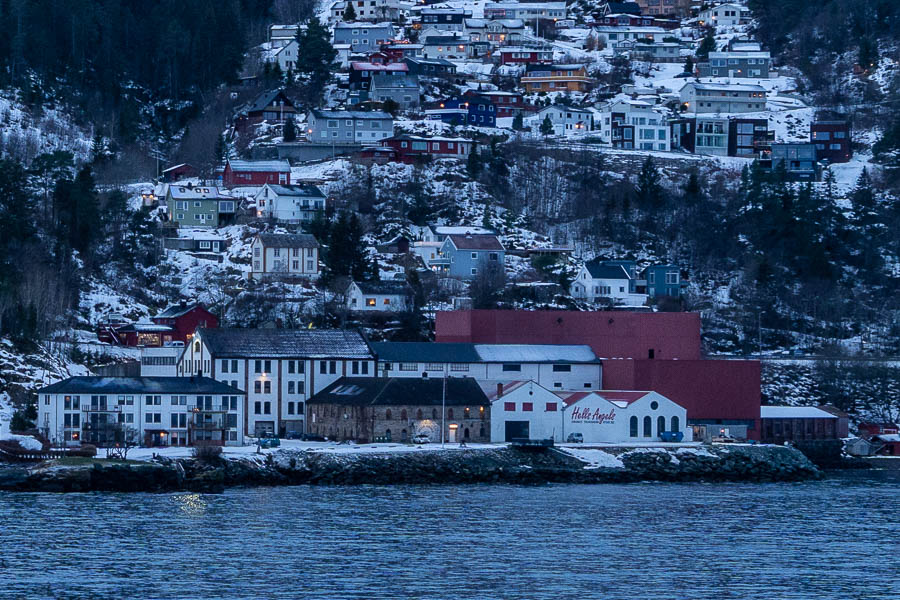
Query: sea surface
x=836, y=538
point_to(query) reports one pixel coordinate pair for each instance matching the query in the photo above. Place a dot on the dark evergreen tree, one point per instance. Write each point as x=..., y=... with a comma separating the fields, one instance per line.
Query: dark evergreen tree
x=546, y=126
x=707, y=45
x=349, y=13
x=474, y=164
x=518, y=122
x=648, y=191
x=689, y=65
x=315, y=60
x=290, y=130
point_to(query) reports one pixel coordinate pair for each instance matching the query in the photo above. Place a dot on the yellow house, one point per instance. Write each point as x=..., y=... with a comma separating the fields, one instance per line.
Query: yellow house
x=556, y=78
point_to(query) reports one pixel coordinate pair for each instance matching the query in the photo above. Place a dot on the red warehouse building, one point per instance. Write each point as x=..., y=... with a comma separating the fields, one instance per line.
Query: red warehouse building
x=640, y=351
x=255, y=172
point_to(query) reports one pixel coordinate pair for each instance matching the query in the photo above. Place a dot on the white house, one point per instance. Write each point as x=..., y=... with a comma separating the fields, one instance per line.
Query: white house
x=283, y=255
x=724, y=15
x=614, y=37
x=289, y=203
x=555, y=366
x=279, y=369
x=635, y=125
x=566, y=120
x=596, y=282
x=379, y=296
x=524, y=409
x=722, y=98
x=149, y=411
x=285, y=55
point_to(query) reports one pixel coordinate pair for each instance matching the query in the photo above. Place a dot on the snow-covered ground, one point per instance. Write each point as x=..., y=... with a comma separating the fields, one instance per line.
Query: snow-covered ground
x=595, y=458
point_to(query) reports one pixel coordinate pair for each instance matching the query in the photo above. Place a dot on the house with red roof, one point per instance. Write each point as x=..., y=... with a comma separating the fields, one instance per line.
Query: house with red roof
x=524, y=409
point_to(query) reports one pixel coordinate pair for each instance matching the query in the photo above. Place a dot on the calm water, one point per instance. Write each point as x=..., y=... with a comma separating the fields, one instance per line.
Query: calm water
x=829, y=539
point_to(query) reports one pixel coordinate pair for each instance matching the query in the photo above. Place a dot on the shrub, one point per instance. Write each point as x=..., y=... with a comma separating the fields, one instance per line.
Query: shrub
x=207, y=453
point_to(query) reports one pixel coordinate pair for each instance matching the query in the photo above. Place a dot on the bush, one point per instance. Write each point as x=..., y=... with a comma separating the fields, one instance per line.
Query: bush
x=207, y=453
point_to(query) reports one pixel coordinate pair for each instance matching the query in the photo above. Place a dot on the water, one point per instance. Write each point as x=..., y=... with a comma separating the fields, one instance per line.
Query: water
x=831, y=539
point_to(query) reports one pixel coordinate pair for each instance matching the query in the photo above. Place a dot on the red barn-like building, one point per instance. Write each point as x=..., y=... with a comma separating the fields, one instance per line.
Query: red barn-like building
x=175, y=324
x=640, y=351
x=255, y=172
x=410, y=148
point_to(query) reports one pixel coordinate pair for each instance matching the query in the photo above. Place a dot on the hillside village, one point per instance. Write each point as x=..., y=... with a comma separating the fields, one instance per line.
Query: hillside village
x=518, y=195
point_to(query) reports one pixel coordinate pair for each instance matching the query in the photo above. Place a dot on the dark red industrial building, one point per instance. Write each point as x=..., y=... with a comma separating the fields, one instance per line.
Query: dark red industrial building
x=640, y=351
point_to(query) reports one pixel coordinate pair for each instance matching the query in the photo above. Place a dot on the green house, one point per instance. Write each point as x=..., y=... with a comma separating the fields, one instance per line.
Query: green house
x=199, y=206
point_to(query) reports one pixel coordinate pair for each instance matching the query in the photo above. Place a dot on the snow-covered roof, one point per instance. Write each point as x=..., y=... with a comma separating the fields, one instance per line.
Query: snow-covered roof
x=367, y=66
x=726, y=87
x=274, y=166
x=794, y=412
x=535, y=353
x=740, y=54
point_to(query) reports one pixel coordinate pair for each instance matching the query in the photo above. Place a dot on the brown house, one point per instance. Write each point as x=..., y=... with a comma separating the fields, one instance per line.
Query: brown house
x=368, y=409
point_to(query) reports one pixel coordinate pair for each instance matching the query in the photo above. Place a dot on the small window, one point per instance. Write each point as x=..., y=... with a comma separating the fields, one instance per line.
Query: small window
x=562, y=368
x=528, y=406
x=509, y=406
x=509, y=368
x=551, y=406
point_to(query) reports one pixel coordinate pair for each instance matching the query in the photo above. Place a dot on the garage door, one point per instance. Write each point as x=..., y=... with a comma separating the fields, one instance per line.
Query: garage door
x=516, y=429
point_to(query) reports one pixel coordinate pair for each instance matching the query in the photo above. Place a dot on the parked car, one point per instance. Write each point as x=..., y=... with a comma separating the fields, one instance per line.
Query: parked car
x=269, y=442
x=421, y=439
x=293, y=435
x=311, y=437
x=575, y=438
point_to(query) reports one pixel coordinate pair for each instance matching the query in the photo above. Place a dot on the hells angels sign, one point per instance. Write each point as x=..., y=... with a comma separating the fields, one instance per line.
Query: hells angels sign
x=596, y=416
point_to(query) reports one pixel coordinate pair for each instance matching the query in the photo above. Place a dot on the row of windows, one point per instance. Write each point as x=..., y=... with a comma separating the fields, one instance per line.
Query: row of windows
x=529, y=406
x=648, y=426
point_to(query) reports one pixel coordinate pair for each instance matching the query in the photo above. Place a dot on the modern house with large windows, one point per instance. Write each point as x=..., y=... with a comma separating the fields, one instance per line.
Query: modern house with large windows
x=149, y=411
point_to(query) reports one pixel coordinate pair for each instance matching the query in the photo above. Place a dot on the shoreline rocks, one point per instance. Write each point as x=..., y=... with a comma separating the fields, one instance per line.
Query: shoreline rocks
x=493, y=465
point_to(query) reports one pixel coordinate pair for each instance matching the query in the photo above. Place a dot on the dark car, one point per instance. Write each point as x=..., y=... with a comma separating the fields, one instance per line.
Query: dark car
x=311, y=437
x=293, y=435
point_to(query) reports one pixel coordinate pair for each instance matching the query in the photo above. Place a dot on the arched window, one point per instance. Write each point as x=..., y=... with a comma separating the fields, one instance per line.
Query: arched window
x=466, y=433
x=676, y=426
x=660, y=424
x=633, y=427
x=197, y=346
x=450, y=413
x=481, y=432
x=419, y=415
x=648, y=426
x=403, y=436
x=387, y=434
x=387, y=414
x=403, y=415
x=434, y=413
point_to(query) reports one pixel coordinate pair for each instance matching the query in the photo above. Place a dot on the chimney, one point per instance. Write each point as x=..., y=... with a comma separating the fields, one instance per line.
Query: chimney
x=499, y=390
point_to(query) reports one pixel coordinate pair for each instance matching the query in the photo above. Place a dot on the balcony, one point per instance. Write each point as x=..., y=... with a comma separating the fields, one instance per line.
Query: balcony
x=214, y=408
x=101, y=408
x=214, y=425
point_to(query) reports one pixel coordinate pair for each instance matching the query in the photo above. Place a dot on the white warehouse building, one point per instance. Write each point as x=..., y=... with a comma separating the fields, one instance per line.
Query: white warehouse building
x=524, y=409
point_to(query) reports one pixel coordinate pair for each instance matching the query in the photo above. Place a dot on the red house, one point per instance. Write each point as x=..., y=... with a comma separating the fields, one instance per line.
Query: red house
x=175, y=324
x=254, y=172
x=178, y=172
x=867, y=430
x=832, y=140
x=518, y=55
x=640, y=351
x=507, y=103
x=411, y=148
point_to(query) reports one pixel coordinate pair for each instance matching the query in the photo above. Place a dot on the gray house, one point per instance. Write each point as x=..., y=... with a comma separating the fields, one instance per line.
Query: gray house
x=470, y=253
x=402, y=89
x=363, y=37
x=430, y=67
x=746, y=65
x=799, y=160
x=722, y=98
x=349, y=126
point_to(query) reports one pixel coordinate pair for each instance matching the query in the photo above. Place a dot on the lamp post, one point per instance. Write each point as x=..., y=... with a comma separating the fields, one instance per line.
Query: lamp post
x=443, y=399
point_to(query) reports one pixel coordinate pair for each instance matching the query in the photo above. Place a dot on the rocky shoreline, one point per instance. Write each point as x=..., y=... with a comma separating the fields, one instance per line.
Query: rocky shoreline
x=492, y=465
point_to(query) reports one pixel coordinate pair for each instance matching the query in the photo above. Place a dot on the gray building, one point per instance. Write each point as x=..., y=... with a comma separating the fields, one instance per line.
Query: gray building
x=798, y=159
x=469, y=254
x=722, y=98
x=349, y=126
x=402, y=89
x=430, y=67
x=363, y=37
x=745, y=65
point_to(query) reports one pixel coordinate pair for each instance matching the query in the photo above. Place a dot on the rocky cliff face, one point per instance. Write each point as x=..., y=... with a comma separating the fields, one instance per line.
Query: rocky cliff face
x=500, y=465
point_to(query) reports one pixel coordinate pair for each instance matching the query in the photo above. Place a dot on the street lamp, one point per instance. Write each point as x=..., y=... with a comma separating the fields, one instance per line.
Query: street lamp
x=443, y=398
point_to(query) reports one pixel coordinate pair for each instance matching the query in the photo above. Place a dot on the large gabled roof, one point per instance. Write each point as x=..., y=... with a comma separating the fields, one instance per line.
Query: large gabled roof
x=430, y=352
x=476, y=241
x=303, y=190
x=384, y=288
x=603, y=271
x=402, y=391
x=266, y=98
x=176, y=311
x=140, y=385
x=271, y=166
x=288, y=240
x=286, y=343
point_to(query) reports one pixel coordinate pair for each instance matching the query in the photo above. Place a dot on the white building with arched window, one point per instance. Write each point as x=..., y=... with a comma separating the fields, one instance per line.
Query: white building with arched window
x=524, y=409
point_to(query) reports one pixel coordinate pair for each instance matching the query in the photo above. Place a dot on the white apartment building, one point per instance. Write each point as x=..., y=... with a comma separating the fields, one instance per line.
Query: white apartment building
x=161, y=361
x=635, y=125
x=149, y=411
x=556, y=366
x=722, y=98
x=284, y=255
x=278, y=369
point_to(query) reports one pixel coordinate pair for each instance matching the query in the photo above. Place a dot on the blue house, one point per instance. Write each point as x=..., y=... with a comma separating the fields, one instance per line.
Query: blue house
x=469, y=254
x=663, y=280
x=470, y=110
